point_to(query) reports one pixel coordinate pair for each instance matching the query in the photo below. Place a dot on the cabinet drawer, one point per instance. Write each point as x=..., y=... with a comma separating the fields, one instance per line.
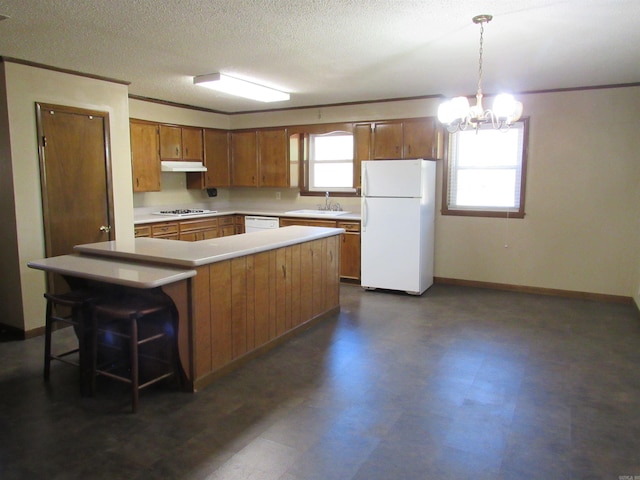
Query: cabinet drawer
x=225, y=220
x=142, y=231
x=194, y=225
x=349, y=226
x=163, y=229
x=307, y=222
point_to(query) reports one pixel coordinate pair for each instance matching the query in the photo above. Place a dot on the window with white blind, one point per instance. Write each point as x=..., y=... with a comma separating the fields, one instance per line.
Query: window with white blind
x=485, y=172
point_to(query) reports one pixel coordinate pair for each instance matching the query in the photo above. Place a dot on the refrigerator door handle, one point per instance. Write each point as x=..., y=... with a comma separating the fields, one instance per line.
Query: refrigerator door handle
x=364, y=214
x=364, y=180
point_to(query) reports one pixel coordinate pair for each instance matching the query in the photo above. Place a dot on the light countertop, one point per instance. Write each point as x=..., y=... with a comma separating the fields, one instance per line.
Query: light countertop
x=148, y=217
x=194, y=254
x=102, y=269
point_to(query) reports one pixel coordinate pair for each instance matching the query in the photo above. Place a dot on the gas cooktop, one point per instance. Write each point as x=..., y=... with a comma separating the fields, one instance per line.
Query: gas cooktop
x=183, y=212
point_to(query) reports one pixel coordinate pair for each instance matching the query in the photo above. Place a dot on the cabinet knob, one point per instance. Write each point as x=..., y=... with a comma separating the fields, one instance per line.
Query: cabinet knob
x=105, y=228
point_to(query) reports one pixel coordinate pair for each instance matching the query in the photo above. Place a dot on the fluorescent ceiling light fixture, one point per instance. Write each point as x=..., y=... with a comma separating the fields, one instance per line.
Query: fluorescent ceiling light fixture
x=240, y=88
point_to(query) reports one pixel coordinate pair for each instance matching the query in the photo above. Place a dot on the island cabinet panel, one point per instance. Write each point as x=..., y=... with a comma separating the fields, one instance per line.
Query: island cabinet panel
x=239, y=300
x=219, y=316
x=263, y=281
x=247, y=304
x=201, y=301
x=295, y=277
x=281, y=292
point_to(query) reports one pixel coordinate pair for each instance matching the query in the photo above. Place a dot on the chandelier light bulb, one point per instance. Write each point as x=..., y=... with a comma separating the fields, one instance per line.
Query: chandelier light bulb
x=506, y=107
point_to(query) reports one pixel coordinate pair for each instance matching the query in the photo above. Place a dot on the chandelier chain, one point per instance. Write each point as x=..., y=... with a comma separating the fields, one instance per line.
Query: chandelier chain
x=480, y=57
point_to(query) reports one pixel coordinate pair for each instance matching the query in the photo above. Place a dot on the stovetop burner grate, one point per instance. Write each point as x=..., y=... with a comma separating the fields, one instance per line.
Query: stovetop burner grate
x=183, y=211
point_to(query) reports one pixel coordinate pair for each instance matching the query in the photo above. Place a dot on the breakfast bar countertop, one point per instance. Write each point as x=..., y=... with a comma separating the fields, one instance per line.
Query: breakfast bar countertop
x=203, y=252
x=121, y=272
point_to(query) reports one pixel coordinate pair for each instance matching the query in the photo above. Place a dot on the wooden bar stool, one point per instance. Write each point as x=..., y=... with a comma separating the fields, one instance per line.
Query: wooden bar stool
x=70, y=309
x=129, y=327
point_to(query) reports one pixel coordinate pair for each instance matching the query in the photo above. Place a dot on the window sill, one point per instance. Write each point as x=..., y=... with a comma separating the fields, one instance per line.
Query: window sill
x=482, y=213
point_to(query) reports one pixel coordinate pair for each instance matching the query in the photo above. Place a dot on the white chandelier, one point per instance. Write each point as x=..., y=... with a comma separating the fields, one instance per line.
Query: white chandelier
x=456, y=113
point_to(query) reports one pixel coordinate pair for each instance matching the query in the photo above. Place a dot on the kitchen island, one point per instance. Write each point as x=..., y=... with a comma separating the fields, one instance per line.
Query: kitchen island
x=249, y=292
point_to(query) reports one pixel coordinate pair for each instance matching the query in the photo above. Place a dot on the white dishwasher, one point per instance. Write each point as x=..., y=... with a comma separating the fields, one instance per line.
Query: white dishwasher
x=257, y=224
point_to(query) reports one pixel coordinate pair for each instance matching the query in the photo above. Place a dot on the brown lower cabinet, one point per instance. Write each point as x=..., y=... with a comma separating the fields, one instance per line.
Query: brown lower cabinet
x=194, y=229
x=166, y=230
x=213, y=227
x=201, y=229
x=349, y=242
x=243, y=304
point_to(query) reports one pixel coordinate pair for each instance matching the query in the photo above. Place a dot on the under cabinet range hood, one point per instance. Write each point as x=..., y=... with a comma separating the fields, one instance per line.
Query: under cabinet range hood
x=167, y=166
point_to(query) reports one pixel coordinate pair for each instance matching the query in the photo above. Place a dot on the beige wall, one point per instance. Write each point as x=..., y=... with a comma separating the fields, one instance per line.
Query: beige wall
x=581, y=231
x=25, y=86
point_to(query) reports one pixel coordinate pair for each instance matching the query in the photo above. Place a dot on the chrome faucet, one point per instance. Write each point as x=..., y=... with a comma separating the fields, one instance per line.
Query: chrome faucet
x=327, y=202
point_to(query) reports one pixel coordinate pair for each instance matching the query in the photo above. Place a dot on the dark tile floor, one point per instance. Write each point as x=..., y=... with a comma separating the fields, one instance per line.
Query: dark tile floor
x=460, y=383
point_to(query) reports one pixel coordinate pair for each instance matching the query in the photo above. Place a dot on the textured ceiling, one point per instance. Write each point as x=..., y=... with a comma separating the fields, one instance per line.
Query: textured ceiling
x=329, y=51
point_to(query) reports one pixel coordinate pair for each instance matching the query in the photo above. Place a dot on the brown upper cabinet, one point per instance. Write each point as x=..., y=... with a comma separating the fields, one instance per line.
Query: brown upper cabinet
x=145, y=157
x=409, y=138
x=260, y=158
x=216, y=159
x=180, y=143
x=273, y=157
x=244, y=159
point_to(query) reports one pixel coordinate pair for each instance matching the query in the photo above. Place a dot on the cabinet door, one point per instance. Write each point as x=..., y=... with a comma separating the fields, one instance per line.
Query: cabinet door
x=145, y=162
x=170, y=142
x=420, y=138
x=192, y=144
x=244, y=159
x=273, y=158
x=362, y=150
x=216, y=158
x=387, y=140
x=238, y=221
x=350, y=250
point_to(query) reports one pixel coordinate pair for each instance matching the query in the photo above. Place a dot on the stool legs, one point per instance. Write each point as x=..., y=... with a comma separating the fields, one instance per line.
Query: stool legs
x=75, y=301
x=135, y=371
x=47, y=341
x=135, y=321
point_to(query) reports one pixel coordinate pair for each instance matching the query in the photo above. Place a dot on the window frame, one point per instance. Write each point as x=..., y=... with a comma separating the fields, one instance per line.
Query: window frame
x=309, y=162
x=480, y=212
x=299, y=141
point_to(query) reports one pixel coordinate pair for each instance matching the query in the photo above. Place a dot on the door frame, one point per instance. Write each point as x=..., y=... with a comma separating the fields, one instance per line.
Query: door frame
x=42, y=107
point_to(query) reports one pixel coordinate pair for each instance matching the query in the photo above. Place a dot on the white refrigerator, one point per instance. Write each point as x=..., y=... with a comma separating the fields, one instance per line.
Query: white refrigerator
x=398, y=220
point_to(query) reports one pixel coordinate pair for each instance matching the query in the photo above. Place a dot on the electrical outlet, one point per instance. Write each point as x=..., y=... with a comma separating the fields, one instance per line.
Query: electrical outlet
x=277, y=195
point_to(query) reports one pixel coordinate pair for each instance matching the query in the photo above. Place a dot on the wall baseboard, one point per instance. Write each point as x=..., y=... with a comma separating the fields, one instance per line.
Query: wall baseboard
x=601, y=297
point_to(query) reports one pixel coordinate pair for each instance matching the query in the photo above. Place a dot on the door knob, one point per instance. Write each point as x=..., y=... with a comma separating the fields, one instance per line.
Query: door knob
x=105, y=228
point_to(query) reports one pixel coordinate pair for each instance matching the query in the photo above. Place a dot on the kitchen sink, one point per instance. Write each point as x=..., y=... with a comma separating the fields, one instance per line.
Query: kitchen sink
x=318, y=212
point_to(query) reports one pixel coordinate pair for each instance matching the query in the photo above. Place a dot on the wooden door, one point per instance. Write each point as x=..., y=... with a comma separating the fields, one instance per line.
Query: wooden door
x=75, y=175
